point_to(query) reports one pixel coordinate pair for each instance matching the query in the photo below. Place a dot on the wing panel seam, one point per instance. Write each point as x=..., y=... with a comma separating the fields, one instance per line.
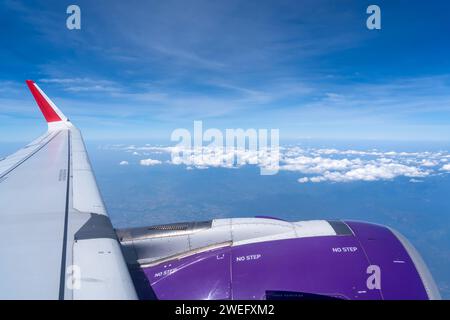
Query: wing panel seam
x=66, y=214
x=27, y=157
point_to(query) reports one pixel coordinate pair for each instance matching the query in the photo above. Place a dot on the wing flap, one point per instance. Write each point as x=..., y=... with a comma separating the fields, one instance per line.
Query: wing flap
x=114, y=279
x=86, y=196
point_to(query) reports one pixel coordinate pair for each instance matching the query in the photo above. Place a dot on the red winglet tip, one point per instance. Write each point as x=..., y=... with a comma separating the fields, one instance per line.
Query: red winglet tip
x=29, y=83
x=46, y=109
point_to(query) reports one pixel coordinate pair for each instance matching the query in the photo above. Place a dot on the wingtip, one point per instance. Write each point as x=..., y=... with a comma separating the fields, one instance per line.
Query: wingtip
x=29, y=83
x=47, y=107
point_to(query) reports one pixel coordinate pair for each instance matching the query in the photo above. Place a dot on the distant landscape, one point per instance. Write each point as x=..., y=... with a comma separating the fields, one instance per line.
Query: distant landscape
x=414, y=201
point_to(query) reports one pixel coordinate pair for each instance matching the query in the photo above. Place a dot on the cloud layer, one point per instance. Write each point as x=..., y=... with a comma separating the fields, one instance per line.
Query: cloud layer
x=149, y=162
x=313, y=165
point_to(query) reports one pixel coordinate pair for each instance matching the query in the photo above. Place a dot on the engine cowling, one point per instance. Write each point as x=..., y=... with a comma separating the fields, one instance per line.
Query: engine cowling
x=267, y=258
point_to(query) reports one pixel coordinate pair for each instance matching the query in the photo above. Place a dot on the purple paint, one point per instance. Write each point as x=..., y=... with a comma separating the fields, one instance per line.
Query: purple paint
x=399, y=277
x=204, y=276
x=327, y=265
x=305, y=265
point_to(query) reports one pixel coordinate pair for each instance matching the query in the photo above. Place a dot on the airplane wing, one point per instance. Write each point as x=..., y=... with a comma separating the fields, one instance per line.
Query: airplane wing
x=58, y=243
x=57, y=239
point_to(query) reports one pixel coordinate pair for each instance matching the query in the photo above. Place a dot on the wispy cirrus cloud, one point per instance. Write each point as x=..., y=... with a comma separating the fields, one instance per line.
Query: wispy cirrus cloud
x=305, y=67
x=84, y=84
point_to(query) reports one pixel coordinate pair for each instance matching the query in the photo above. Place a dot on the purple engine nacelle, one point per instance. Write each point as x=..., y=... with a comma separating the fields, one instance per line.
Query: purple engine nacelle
x=263, y=258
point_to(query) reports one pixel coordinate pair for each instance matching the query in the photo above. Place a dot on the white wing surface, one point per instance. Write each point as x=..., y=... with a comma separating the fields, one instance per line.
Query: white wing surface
x=57, y=240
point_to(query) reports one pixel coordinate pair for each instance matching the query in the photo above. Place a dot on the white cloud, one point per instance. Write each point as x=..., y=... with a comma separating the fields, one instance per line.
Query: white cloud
x=205, y=157
x=371, y=172
x=149, y=162
x=317, y=164
x=124, y=163
x=352, y=165
x=429, y=163
x=314, y=164
x=303, y=180
x=84, y=84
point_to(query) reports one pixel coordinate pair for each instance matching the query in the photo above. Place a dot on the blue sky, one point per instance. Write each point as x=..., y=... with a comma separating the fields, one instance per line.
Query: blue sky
x=137, y=70
x=140, y=69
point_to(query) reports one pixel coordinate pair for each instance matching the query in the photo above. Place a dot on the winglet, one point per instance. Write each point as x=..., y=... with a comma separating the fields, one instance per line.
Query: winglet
x=50, y=111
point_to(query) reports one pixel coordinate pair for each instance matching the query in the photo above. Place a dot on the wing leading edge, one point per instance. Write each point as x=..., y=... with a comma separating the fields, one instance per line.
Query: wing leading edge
x=58, y=240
